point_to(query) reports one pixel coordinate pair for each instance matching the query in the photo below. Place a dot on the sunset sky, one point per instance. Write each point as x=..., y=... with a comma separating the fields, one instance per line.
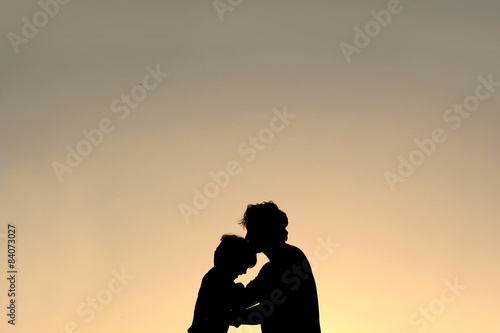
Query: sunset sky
x=134, y=134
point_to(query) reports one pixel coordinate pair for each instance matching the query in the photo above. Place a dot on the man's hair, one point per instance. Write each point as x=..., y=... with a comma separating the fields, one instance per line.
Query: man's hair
x=267, y=219
x=234, y=249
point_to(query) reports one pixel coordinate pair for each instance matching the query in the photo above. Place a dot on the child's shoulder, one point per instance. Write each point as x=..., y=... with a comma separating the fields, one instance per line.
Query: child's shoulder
x=210, y=275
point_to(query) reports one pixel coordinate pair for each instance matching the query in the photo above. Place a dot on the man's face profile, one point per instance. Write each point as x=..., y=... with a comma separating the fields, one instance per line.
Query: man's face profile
x=255, y=240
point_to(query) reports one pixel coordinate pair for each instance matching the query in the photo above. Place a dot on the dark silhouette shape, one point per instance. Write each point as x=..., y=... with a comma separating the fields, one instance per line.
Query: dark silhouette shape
x=219, y=298
x=285, y=289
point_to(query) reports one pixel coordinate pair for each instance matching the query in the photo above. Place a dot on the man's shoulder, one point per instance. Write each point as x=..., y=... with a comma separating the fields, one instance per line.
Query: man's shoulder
x=294, y=251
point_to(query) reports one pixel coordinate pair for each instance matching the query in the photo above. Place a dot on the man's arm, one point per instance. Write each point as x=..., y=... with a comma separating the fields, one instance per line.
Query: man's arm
x=248, y=298
x=255, y=289
x=249, y=316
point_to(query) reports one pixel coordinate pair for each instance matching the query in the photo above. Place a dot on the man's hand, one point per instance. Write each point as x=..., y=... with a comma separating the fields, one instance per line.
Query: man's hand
x=233, y=319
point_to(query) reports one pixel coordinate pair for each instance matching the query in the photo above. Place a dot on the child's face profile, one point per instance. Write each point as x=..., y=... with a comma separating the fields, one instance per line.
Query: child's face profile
x=238, y=269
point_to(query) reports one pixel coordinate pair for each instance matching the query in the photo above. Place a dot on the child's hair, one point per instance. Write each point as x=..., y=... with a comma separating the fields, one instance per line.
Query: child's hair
x=234, y=249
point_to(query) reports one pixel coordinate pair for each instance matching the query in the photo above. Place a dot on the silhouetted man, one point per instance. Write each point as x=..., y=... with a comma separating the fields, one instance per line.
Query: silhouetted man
x=284, y=288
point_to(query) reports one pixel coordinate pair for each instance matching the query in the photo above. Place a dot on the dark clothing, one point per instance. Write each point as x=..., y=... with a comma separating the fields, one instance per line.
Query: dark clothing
x=286, y=291
x=216, y=298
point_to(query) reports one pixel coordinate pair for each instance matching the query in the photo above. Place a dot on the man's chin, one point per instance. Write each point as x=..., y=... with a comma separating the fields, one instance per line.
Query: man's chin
x=255, y=249
x=258, y=249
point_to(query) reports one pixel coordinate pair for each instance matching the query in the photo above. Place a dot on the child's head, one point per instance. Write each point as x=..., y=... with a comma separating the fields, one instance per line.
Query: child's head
x=234, y=255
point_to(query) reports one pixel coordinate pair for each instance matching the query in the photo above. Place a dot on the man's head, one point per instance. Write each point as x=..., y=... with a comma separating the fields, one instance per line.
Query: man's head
x=265, y=224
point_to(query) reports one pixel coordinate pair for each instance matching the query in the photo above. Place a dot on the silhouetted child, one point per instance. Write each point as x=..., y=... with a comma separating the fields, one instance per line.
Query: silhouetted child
x=218, y=297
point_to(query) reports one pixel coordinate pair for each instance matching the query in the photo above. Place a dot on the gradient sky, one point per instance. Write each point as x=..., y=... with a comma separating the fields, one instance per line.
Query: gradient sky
x=119, y=208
